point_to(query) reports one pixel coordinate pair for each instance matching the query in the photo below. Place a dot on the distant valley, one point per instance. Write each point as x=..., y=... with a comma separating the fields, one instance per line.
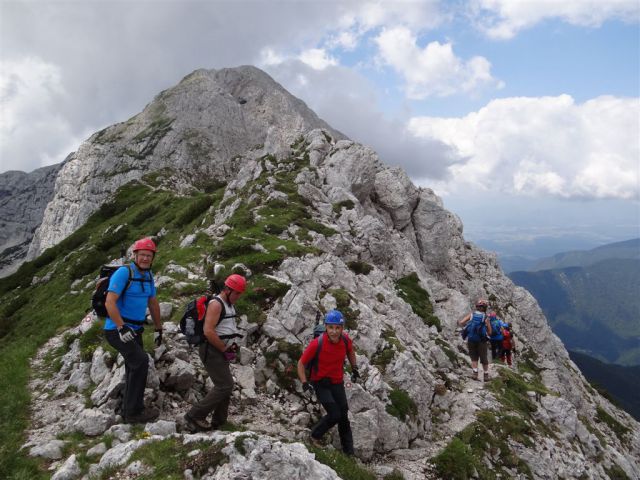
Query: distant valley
x=592, y=302
x=594, y=307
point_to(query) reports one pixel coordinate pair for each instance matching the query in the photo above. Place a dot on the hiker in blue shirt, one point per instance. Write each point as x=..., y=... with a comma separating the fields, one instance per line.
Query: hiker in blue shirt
x=131, y=290
x=478, y=331
x=496, y=336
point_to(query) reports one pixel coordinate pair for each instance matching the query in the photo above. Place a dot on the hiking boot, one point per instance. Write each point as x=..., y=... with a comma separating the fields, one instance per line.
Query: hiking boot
x=316, y=442
x=474, y=376
x=145, y=416
x=486, y=376
x=196, y=424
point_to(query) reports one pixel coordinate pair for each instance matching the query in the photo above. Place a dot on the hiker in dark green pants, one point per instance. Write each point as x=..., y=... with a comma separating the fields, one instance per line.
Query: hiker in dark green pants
x=217, y=351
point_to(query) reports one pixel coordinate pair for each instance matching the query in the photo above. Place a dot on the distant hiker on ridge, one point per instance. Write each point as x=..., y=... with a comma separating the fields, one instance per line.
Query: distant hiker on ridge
x=496, y=336
x=508, y=345
x=477, y=329
x=131, y=290
x=216, y=352
x=325, y=356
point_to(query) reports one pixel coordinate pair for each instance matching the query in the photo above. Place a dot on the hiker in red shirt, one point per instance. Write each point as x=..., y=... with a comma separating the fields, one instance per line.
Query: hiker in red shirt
x=508, y=344
x=325, y=356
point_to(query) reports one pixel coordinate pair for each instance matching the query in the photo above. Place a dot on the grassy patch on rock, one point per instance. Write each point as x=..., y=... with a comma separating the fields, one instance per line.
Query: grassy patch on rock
x=402, y=405
x=345, y=466
x=616, y=427
x=410, y=291
x=483, y=448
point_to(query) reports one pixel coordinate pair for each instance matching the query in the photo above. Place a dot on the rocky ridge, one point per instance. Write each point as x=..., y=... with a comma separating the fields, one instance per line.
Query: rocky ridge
x=375, y=217
x=23, y=199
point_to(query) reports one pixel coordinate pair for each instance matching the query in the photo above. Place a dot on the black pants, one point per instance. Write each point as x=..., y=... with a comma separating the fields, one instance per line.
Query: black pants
x=334, y=400
x=136, y=367
x=496, y=349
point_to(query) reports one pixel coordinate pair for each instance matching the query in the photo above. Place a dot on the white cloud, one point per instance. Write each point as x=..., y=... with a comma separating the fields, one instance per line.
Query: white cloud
x=544, y=146
x=30, y=124
x=268, y=56
x=345, y=40
x=503, y=19
x=433, y=70
x=348, y=102
x=368, y=15
x=317, y=58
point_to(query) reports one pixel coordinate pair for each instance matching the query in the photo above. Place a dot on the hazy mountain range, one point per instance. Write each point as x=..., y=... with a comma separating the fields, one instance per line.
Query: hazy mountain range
x=575, y=258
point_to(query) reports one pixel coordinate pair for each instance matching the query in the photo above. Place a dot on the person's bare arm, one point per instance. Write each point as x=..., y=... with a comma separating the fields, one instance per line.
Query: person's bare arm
x=154, y=309
x=210, y=322
x=464, y=319
x=113, y=310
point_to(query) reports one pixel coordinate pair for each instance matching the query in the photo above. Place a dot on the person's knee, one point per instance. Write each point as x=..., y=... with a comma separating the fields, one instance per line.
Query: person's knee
x=139, y=361
x=334, y=413
x=225, y=388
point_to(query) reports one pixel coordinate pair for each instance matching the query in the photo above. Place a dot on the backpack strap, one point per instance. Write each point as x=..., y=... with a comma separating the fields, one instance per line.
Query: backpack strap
x=316, y=357
x=142, y=279
x=128, y=281
x=223, y=312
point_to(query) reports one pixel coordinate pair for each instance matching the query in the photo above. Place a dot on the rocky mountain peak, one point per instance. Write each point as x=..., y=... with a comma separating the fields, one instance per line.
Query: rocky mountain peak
x=194, y=130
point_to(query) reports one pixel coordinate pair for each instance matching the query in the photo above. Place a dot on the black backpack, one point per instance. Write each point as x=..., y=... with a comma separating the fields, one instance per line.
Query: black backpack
x=99, y=297
x=192, y=324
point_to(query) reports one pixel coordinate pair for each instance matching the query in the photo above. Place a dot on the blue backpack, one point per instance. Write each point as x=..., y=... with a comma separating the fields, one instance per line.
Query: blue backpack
x=476, y=328
x=496, y=328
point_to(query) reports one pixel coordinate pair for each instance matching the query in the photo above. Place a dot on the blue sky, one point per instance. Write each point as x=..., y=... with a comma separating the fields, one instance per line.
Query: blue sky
x=508, y=109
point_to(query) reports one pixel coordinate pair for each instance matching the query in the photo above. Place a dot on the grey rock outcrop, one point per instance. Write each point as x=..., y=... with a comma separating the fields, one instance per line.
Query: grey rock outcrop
x=69, y=470
x=23, y=199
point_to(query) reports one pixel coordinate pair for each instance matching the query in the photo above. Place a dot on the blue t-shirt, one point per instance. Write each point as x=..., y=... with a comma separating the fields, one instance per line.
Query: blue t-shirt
x=133, y=304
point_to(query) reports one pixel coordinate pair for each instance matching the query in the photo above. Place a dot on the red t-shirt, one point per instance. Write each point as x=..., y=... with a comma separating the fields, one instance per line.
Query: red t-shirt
x=330, y=360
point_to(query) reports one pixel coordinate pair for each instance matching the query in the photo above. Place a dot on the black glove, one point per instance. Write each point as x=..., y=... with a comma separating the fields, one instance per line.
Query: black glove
x=307, y=387
x=126, y=333
x=355, y=375
x=157, y=337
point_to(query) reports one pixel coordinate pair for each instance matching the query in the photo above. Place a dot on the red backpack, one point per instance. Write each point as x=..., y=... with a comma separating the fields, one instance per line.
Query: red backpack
x=506, y=341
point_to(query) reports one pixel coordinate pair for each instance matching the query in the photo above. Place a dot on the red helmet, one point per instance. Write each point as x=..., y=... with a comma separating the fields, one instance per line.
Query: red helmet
x=144, y=244
x=236, y=283
x=493, y=315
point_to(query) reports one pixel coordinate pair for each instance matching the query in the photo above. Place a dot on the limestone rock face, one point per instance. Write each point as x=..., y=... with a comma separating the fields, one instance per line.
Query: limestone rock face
x=23, y=199
x=196, y=129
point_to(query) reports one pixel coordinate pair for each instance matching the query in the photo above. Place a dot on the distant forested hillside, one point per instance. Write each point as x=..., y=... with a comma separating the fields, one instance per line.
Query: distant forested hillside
x=593, y=309
x=621, y=383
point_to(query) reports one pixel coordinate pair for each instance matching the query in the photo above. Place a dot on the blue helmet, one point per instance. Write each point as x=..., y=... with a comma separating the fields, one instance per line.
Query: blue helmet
x=334, y=317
